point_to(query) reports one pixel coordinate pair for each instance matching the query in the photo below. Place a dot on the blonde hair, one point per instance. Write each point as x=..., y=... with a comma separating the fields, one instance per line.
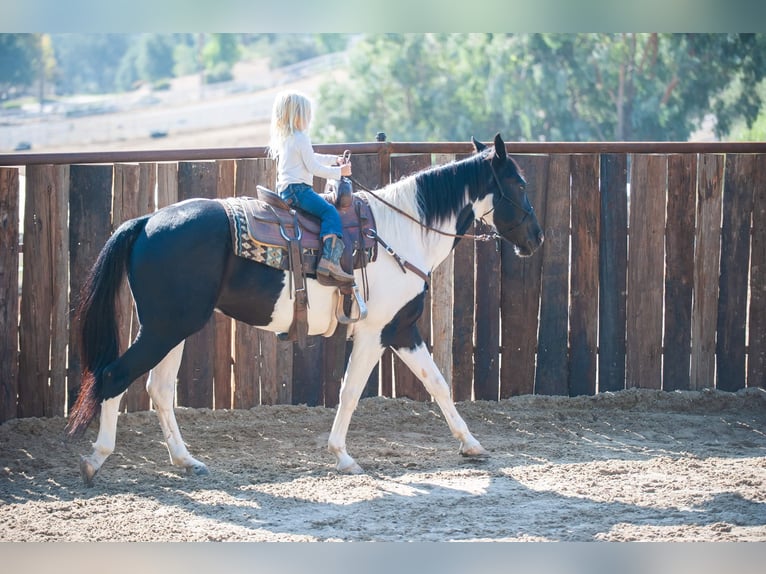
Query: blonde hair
x=291, y=112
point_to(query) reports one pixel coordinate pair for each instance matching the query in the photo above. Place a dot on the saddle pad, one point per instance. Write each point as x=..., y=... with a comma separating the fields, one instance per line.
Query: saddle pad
x=258, y=229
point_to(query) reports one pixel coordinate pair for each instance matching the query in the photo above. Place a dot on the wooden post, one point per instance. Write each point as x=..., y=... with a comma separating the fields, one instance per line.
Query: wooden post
x=707, y=254
x=9, y=292
x=583, y=302
x=613, y=270
x=646, y=264
x=223, y=360
x=756, y=362
x=679, y=275
x=90, y=224
x=39, y=393
x=520, y=293
x=552, y=352
x=735, y=255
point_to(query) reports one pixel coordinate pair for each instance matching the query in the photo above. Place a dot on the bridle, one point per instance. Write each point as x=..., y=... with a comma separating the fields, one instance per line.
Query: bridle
x=492, y=236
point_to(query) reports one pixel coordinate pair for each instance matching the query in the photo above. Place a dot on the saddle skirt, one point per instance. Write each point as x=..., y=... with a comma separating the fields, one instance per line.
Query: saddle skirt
x=261, y=227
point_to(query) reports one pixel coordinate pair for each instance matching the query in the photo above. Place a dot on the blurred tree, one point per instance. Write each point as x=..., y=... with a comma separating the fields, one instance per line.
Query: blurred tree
x=543, y=86
x=88, y=63
x=219, y=54
x=18, y=57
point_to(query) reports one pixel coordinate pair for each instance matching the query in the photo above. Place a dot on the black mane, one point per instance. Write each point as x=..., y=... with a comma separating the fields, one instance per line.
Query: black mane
x=441, y=190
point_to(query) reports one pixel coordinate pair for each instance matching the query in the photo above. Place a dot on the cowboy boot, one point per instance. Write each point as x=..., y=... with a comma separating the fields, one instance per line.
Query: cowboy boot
x=329, y=264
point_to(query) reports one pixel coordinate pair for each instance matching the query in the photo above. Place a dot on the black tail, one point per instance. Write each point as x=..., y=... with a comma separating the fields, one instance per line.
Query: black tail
x=96, y=321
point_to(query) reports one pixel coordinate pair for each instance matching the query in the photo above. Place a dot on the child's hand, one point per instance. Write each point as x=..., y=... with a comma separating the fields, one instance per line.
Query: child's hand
x=345, y=169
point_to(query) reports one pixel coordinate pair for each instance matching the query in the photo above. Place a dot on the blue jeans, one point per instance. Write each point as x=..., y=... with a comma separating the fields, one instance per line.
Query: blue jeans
x=302, y=196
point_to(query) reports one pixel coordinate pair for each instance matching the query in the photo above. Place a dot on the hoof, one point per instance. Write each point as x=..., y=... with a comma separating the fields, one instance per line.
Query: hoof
x=476, y=451
x=87, y=471
x=352, y=468
x=198, y=469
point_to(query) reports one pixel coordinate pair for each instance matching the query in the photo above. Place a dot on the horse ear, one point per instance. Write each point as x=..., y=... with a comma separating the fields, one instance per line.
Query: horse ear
x=477, y=145
x=500, y=151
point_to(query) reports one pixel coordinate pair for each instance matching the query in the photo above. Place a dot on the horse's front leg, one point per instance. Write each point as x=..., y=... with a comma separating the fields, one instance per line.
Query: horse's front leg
x=365, y=353
x=421, y=363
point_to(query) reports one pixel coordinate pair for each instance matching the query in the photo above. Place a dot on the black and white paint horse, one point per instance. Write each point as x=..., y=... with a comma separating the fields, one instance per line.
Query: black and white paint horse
x=181, y=268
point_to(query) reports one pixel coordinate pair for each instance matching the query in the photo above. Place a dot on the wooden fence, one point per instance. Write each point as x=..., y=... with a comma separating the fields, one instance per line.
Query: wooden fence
x=652, y=274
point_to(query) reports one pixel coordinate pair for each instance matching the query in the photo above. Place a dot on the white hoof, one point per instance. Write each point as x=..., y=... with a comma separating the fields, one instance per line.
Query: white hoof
x=352, y=468
x=197, y=469
x=475, y=451
x=87, y=471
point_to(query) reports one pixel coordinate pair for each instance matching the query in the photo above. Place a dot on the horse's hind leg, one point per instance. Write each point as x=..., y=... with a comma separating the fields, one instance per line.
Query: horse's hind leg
x=104, y=445
x=421, y=363
x=161, y=387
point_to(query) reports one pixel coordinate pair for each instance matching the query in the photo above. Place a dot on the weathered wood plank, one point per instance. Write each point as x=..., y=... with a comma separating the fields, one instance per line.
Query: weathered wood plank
x=223, y=360
x=195, y=387
x=552, y=376
x=9, y=292
x=44, y=185
x=463, y=319
x=613, y=269
x=583, y=303
x=520, y=293
x=136, y=398
x=167, y=184
x=125, y=207
x=756, y=361
x=56, y=405
x=646, y=264
x=679, y=274
x=735, y=254
x=247, y=345
x=407, y=384
x=442, y=304
x=90, y=224
x=707, y=241
x=486, y=359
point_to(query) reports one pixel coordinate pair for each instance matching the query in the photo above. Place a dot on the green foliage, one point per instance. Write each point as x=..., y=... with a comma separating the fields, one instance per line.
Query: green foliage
x=18, y=61
x=576, y=87
x=220, y=53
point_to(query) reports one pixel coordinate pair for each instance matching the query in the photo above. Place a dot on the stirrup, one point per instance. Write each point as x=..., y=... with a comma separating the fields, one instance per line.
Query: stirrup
x=340, y=314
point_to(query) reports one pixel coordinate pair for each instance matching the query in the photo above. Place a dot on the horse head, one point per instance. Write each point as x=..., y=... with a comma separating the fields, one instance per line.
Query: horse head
x=512, y=213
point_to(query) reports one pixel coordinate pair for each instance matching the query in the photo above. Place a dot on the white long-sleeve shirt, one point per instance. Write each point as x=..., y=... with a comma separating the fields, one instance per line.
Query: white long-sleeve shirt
x=298, y=163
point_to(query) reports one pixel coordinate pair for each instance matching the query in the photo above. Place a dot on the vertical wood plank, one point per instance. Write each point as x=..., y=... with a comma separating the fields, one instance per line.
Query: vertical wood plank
x=56, y=404
x=583, y=311
x=407, y=384
x=374, y=172
x=167, y=184
x=136, y=398
x=646, y=264
x=679, y=274
x=486, y=360
x=442, y=304
x=463, y=319
x=36, y=296
x=307, y=380
x=552, y=376
x=125, y=206
x=735, y=254
x=9, y=292
x=613, y=269
x=195, y=388
x=247, y=345
x=520, y=293
x=756, y=361
x=707, y=241
x=223, y=360
x=90, y=224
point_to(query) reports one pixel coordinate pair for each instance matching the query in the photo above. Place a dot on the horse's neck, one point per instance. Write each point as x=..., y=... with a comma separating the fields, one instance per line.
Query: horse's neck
x=409, y=236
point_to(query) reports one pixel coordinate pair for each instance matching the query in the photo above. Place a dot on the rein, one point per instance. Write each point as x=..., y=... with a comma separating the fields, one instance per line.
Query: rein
x=483, y=237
